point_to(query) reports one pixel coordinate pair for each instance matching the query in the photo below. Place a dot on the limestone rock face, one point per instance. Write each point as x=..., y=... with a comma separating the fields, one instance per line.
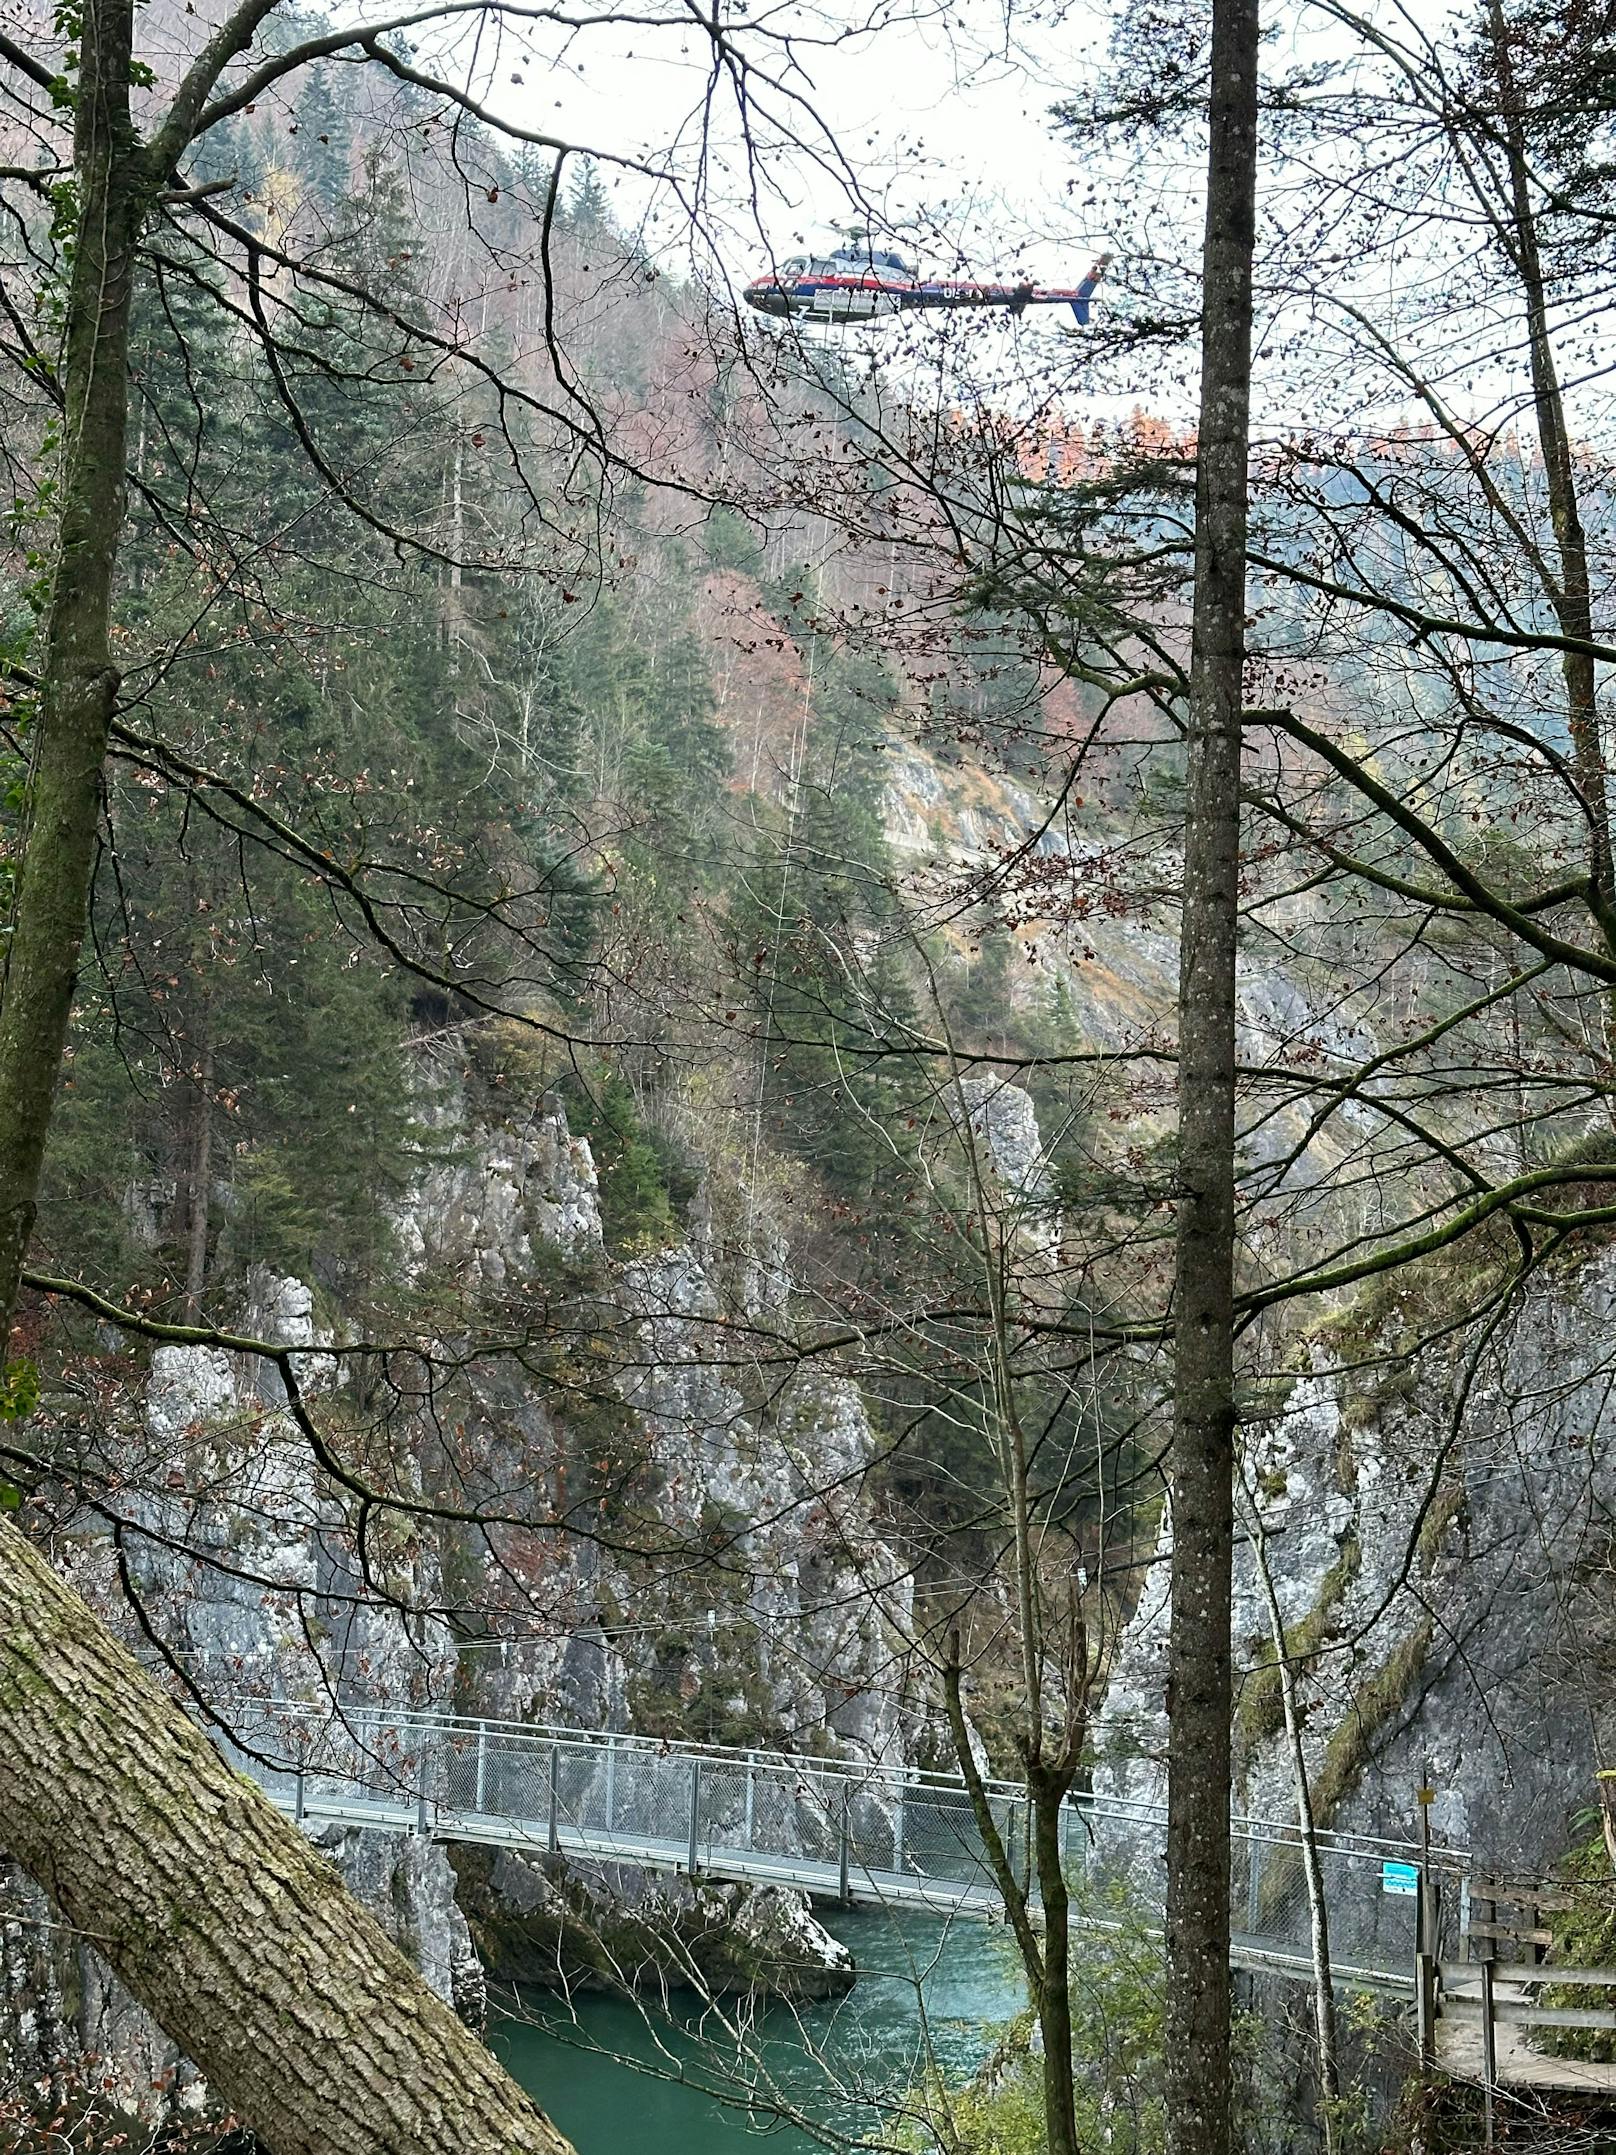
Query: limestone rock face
x=497, y=1196
x=272, y=1599
x=1450, y=1591
x=243, y=1559
x=1002, y=1115
x=810, y=1597
x=409, y=1888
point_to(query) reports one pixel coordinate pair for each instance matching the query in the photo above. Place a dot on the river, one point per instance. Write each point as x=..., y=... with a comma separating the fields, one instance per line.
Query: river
x=607, y=2070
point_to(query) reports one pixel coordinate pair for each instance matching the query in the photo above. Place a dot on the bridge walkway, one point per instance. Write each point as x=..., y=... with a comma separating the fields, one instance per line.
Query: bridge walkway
x=835, y=1831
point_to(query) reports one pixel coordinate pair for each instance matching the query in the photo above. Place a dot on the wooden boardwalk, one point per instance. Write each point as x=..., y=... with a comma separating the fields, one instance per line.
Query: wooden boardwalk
x=1487, y=2011
x=1461, y=2029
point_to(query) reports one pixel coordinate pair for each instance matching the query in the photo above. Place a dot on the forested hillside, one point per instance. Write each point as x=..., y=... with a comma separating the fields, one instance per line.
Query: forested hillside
x=834, y=1125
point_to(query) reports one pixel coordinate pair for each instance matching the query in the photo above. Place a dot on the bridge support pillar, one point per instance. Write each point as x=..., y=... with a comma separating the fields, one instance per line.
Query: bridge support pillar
x=844, y=1889
x=695, y=1815
x=482, y=1766
x=555, y=1798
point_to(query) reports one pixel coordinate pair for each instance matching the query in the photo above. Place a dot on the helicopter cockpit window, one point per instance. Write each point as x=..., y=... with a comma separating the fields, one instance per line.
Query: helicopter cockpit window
x=794, y=265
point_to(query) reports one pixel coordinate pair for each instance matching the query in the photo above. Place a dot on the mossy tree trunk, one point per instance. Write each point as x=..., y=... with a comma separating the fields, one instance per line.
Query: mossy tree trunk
x=80, y=681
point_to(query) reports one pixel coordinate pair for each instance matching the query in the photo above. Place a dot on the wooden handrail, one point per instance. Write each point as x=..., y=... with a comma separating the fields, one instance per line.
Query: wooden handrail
x=1460, y=1971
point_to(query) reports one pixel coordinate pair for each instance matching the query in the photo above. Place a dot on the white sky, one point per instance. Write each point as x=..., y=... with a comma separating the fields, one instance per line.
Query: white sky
x=950, y=138
x=931, y=123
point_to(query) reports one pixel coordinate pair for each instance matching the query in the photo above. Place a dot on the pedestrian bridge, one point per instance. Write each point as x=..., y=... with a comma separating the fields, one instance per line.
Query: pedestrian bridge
x=834, y=1830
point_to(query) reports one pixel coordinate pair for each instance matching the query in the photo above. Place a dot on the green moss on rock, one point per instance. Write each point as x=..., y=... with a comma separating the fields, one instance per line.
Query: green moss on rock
x=1584, y=1937
x=1261, y=1711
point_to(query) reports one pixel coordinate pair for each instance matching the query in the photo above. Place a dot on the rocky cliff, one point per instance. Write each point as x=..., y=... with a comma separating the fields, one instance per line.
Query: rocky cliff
x=1443, y=1578
x=683, y=1546
x=722, y=1577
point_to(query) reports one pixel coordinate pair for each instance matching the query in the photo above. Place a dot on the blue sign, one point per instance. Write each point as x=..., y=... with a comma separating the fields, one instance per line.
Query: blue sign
x=1399, y=1878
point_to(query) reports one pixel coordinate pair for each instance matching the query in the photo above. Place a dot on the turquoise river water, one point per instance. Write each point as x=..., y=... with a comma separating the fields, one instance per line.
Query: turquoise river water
x=613, y=2075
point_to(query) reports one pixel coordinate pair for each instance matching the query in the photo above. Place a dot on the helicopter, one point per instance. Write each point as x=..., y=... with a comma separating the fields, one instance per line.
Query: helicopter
x=857, y=281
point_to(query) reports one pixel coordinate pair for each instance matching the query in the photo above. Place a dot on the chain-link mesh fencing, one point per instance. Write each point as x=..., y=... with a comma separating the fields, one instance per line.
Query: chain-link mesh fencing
x=869, y=1834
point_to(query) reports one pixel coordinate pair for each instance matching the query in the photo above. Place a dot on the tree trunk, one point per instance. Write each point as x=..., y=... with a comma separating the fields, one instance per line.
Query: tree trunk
x=234, y=1933
x=1048, y=1793
x=1572, y=600
x=1199, y=2078
x=1572, y=597
x=80, y=682
x=199, y=1172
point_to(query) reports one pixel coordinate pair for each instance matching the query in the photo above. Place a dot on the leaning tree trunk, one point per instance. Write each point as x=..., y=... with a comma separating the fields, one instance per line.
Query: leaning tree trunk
x=224, y=1923
x=1199, y=2078
x=230, y=1928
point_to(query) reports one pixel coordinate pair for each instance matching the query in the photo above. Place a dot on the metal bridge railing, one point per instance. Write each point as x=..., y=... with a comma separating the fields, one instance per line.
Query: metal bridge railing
x=839, y=1829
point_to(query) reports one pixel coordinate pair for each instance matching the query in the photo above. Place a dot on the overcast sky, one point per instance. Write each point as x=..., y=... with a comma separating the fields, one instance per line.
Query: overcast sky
x=937, y=120
x=945, y=124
